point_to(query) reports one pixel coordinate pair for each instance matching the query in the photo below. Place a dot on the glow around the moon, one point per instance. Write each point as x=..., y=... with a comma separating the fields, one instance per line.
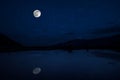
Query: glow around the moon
x=37, y=13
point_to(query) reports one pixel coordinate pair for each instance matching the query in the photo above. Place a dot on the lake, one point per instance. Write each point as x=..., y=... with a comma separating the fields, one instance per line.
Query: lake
x=60, y=65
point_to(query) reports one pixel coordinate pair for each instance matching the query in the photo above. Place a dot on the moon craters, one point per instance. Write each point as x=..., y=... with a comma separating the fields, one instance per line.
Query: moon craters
x=36, y=13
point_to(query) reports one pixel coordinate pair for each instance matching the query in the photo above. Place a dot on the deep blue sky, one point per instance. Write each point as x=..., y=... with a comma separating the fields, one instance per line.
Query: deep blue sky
x=61, y=20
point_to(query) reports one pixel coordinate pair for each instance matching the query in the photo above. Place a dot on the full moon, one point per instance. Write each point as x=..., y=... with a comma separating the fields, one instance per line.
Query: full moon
x=36, y=70
x=36, y=13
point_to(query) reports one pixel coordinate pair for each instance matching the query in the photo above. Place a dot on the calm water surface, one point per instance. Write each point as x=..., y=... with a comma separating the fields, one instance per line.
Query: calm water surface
x=60, y=65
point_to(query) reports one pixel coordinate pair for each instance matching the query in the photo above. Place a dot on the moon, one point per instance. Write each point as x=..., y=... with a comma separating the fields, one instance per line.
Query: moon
x=36, y=70
x=36, y=13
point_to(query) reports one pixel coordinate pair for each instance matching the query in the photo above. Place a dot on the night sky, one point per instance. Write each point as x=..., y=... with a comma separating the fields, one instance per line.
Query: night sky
x=61, y=20
x=87, y=23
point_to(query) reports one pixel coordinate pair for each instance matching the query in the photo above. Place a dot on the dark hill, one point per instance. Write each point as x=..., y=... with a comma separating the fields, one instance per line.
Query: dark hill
x=7, y=44
x=107, y=43
x=110, y=43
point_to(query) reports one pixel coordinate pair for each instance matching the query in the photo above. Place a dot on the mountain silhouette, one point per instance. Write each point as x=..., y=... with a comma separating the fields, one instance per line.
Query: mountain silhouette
x=109, y=43
x=104, y=43
x=7, y=44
